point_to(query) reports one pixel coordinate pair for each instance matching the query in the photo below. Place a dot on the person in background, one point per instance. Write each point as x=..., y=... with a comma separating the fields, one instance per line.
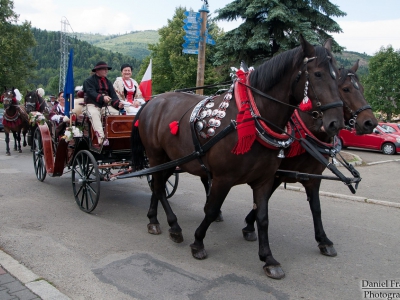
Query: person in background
x=100, y=98
x=128, y=90
x=51, y=102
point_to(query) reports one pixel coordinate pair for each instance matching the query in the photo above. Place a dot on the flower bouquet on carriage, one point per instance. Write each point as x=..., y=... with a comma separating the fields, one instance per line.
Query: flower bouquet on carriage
x=36, y=117
x=71, y=133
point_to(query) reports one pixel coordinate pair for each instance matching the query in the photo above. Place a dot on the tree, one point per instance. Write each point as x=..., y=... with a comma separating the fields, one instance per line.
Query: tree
x=271, y=27
x=16, y=41
x=171, y=68
x=382, y=85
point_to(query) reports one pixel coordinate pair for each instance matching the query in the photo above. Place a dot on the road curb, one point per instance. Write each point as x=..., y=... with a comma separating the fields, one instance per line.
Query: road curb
x=35, y=283
x=345, y=197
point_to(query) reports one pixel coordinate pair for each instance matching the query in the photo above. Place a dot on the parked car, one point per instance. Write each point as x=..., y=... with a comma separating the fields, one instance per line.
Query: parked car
x=391, y=127
x=1, y=119
x=379, y=139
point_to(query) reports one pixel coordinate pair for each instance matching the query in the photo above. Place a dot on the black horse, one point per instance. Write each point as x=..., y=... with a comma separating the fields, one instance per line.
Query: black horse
x=277, y=87
x=15, y=120
x=358, y=114
x=35, y=103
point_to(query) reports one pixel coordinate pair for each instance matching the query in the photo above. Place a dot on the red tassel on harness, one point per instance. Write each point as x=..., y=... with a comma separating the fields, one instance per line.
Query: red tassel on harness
x=306, y=104
x=246, y=130
x=174, y=127
x=137, y=123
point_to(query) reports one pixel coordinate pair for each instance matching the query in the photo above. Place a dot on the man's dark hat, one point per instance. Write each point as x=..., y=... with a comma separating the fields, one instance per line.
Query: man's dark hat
x=126, y=66
x=101, y=65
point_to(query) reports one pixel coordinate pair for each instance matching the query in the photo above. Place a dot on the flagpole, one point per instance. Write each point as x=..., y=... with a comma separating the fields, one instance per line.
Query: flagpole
x=70, y=110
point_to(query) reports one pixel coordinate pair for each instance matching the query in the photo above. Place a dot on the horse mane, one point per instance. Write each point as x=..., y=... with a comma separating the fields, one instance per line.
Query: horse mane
x=271, y=72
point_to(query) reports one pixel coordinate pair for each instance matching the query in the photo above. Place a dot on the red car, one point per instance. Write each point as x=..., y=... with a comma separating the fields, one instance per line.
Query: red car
x=391, y=127
x=380, y=139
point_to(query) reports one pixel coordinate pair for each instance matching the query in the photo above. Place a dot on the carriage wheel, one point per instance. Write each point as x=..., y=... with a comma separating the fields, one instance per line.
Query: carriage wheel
x=170, y=186
x=38, y=156
x=86, y=181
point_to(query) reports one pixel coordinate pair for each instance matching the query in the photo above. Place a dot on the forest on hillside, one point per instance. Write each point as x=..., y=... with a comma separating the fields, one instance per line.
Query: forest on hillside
x=134, y=43
x=48, y=58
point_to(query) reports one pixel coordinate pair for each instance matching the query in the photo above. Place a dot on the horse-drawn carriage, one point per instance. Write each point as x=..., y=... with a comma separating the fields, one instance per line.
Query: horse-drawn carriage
x=225, y=140
x=75, y=149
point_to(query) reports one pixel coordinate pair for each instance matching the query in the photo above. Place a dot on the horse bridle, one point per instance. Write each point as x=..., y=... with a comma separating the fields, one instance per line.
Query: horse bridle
x=318, y=113
x=354, y=115
x=8, y=95
x=33, y=105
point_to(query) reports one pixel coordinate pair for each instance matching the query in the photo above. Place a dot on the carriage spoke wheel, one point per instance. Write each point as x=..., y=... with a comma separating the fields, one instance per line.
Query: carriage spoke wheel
x=86, y=181
x=38, y=156
x=170, y=186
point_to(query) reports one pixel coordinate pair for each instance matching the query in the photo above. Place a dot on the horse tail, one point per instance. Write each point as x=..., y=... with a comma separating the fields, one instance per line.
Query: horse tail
x=139, y=159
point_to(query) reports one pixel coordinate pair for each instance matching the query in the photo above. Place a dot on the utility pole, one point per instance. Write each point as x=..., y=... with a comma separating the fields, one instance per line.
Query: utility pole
x=202, y=47
x=64, y=51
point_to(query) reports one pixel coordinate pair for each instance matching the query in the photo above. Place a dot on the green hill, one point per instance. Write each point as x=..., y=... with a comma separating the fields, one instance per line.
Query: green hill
x=47, y=55
x=132, y=44
x=348, y=58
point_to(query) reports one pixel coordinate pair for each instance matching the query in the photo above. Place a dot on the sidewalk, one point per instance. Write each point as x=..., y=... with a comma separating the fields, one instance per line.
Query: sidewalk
x=17, y=282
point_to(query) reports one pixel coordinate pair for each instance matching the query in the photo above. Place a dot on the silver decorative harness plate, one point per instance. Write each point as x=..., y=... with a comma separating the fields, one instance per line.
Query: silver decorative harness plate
x=207, y=118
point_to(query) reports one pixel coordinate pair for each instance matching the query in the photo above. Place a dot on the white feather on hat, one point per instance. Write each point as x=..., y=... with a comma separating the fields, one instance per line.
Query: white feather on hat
x=18, y=95
x=40, y=91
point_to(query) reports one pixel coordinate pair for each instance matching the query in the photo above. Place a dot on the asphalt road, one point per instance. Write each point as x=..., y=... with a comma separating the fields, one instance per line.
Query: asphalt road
x=109, y=254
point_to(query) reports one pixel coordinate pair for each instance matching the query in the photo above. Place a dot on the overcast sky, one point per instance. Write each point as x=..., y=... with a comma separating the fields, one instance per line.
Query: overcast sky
x=369, y=24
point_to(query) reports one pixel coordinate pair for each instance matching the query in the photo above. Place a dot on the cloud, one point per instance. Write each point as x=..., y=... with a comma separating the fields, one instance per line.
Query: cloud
x=369, y=37
x=100, y=19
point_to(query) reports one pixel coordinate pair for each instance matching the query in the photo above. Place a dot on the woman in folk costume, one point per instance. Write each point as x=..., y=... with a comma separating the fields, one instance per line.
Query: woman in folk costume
x=58, y=111
x=128, y=90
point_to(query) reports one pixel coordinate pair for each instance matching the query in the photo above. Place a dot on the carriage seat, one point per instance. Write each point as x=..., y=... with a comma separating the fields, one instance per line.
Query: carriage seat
x=79, y=103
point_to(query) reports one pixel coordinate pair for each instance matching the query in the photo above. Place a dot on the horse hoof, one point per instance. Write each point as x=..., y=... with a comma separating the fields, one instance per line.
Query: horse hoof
x=177, y=237
x=198, y=253
x=20, y=151
x=274, y=272
x=24, y=144
x=250, y=236
x=327, y=250
x=8, y=153
x=153, y=228
x=220, y=218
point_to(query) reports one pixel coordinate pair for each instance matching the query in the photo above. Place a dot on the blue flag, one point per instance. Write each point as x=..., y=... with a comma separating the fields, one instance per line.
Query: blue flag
x=69, y=85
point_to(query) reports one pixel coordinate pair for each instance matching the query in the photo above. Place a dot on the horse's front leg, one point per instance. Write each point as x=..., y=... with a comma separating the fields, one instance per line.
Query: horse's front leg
x=159, y=181
x=218, y=193
x=272, y=267
x=7, y=139
x=324, y=244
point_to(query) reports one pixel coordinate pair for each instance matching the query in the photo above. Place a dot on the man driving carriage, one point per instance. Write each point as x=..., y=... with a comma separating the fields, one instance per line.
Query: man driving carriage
x=100, y=98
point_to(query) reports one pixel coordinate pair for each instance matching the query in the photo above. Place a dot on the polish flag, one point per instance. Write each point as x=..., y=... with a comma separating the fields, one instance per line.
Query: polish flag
x=145, y=84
